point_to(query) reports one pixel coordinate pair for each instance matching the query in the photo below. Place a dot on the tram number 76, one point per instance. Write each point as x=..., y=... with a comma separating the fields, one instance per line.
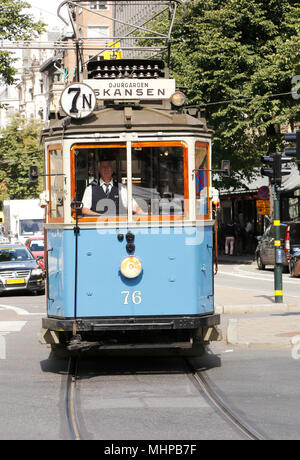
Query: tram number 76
x=135, y=297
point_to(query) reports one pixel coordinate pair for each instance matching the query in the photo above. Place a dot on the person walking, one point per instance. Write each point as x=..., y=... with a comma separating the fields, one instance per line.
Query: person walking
x=230, y=235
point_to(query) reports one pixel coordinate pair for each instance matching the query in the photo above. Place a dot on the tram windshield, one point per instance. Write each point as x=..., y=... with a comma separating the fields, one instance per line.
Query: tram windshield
x=159, y=182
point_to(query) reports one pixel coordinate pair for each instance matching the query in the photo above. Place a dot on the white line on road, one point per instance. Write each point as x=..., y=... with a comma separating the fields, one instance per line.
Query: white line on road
x=12, y=326
x=270, y=275
x=19, y=311
x=5, y=328
x=255, y=277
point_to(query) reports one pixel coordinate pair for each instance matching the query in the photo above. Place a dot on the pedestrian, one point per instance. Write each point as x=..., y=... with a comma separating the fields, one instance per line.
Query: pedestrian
x=249, y=230
x=230, y=236
x=239, y=243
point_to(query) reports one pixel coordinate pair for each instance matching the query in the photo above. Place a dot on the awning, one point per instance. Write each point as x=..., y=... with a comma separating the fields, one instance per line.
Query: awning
x=291, y=182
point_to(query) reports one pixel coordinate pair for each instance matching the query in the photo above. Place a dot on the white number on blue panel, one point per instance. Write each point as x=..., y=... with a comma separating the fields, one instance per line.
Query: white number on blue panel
x=135, y=297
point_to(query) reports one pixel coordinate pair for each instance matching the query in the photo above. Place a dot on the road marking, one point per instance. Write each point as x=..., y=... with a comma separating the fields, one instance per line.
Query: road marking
x=256, y=278
x=11, y=326
x=5, y=328
x=19, y=311
x=269, y=275
x=2, y=347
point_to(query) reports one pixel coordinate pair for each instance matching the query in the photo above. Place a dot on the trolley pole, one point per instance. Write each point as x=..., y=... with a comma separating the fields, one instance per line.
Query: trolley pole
x=277, y=245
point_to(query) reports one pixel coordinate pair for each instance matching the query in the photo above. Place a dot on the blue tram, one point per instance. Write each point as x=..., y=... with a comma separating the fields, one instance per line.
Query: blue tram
x=129, y=228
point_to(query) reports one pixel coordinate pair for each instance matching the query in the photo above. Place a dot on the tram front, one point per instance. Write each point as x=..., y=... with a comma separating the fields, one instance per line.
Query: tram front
x=129, y=227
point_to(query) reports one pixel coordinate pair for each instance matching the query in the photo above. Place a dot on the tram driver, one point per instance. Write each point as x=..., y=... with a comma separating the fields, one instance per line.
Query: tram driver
x=105, y=196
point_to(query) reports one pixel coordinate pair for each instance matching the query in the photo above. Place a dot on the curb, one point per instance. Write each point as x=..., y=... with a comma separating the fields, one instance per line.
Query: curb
x=233, y=261
x=254, y=308
x=232, y=338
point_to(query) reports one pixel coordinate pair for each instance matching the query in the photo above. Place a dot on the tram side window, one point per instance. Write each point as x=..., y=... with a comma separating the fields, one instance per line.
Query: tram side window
x=202, y=180
x=56, y=184
x=158, y=179
x=96, y=167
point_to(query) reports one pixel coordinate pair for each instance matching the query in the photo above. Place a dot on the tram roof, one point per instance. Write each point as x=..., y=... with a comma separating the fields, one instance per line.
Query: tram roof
x=120, y=119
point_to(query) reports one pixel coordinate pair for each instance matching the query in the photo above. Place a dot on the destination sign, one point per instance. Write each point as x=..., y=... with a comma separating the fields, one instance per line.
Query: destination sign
x=130, y=88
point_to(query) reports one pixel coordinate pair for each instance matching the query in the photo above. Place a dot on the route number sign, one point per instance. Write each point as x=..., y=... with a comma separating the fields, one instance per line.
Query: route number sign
x=78, y=100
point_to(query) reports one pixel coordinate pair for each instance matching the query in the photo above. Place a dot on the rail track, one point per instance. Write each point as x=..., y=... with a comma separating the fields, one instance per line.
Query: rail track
x=200, y=380
x=71, y=403
x=214, y=399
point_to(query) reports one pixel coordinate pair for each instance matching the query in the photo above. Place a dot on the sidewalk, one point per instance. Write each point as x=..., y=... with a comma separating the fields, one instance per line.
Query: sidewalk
x=237, y=301
x=272, y=331
x=229, y=301
x=252, y=318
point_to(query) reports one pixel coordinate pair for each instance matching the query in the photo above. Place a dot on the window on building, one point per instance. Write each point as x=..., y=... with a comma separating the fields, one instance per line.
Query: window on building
x=98, y=5
x=98, y=32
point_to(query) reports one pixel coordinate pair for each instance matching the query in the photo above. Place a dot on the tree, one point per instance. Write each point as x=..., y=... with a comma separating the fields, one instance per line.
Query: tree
x=233, y=56
x=19, y=149
x=14, y=25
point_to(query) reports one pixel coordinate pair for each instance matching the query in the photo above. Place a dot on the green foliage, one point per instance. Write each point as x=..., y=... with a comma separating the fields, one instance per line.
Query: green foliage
x=242, y=51
x=15, y=25
x=19, y=149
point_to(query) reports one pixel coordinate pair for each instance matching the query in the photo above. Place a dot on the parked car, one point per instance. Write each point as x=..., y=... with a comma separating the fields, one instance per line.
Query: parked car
x=265, y=252
x=19, y=270
x=3, y=237
x=292, y=247
x=36, y=246
x=294, y=265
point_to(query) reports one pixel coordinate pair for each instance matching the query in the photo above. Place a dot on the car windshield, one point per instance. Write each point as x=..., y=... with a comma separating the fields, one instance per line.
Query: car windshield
x=14, y=254
x=37, y=245
x=31, y=226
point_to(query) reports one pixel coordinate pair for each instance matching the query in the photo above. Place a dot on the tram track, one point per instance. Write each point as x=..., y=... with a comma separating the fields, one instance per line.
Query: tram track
x=71, y=402
x=216, y=402
x=199, y=379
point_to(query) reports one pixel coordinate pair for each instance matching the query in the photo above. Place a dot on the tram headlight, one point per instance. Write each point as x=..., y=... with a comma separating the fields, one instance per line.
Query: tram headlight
x=131, y=267
x=178, y=99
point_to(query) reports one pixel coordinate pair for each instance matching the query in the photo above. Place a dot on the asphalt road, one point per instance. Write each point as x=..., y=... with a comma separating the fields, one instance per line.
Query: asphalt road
x=145, y=398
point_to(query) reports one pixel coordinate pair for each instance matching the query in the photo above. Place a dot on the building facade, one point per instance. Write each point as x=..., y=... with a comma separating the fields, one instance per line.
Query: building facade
x=9, y=104
x=29, y=97
x=94, y=28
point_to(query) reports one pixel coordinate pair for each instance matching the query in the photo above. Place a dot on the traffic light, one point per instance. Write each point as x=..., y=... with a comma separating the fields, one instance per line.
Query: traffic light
x=293, y=151
x=275, y=171
x=269, y=171
x=279, y=170
x=225, y=167
x=33, y=174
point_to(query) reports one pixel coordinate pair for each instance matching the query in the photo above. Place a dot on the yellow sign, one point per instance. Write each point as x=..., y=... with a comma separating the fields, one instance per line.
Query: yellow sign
x=263, y=207
x=113, y=54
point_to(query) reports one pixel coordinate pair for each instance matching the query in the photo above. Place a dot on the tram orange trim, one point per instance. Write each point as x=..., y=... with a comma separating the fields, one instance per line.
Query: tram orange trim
x=206, y=145
x=136, y=144
x=53, y=219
